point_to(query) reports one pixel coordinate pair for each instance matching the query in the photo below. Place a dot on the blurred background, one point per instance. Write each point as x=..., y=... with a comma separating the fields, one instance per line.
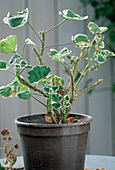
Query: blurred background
x=100, y=103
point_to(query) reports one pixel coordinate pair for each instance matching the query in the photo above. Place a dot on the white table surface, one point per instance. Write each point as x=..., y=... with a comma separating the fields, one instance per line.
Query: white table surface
x=91, y=161
x=97, y=161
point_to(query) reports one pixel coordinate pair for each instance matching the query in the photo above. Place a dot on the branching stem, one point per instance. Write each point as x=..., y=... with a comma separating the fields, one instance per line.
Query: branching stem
x=24, y=82
x=88, y=88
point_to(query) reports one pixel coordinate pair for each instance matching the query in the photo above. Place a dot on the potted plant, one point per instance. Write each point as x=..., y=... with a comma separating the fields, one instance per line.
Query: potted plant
x=10, y=153
x=55, y=139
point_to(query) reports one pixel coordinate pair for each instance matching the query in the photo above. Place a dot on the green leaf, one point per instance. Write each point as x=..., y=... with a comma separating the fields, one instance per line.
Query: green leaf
x=113, y=88
x=23, y=63
x=64, y=52
x=24, y=95
x=14, y=86
x=47, y=89
x=14, y=58
x=95, y=29
x=100, y=58
x=55, y=54
x=57, y=81
x=40, y=82
x=108, y=53
x=3, y=64
x=17, y=65
x=81, y=40
x=22, y=88
x=56, y=97
x=28, y=66
x=5, y=91
x=66, y=97
x=70, y=15
x=55, y=88
x=56, y=105
x=38, y=73
x=29, y=42
x=8, y=45
x=18, y=20
x=67, y=104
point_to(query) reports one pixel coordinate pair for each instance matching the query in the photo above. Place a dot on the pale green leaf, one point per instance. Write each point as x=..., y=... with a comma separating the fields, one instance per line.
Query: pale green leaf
x=40, y=82
x=18, y=20
x=24, y=95
x=70, y=15
x=8, y=45
x=23, y=88
x=38, y=73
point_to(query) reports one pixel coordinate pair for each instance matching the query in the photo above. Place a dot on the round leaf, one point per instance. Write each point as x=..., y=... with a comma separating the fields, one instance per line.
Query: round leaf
x=38, y=73
x=81, y=40
x=95, y=29
x=18, y=20
x=56, y=97
x=70, y=15
x=100, y=58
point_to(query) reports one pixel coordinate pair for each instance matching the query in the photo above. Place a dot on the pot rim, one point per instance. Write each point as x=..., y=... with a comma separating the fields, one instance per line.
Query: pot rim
x=87, y=120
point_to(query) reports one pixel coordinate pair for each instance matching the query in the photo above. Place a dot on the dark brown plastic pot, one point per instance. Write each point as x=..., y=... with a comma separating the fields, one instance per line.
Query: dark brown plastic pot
x=53, y=146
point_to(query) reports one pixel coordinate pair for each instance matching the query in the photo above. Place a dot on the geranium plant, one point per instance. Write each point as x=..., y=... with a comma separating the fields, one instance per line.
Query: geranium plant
x=59, y=99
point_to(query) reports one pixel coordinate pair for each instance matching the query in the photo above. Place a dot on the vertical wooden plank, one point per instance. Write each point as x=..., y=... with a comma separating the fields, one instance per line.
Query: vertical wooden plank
x=100, y=108
x=13, y=107
x=27, y=52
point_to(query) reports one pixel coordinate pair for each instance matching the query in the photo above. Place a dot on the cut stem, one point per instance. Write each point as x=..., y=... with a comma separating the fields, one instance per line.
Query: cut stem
x=24, y=82
x=88, y=88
